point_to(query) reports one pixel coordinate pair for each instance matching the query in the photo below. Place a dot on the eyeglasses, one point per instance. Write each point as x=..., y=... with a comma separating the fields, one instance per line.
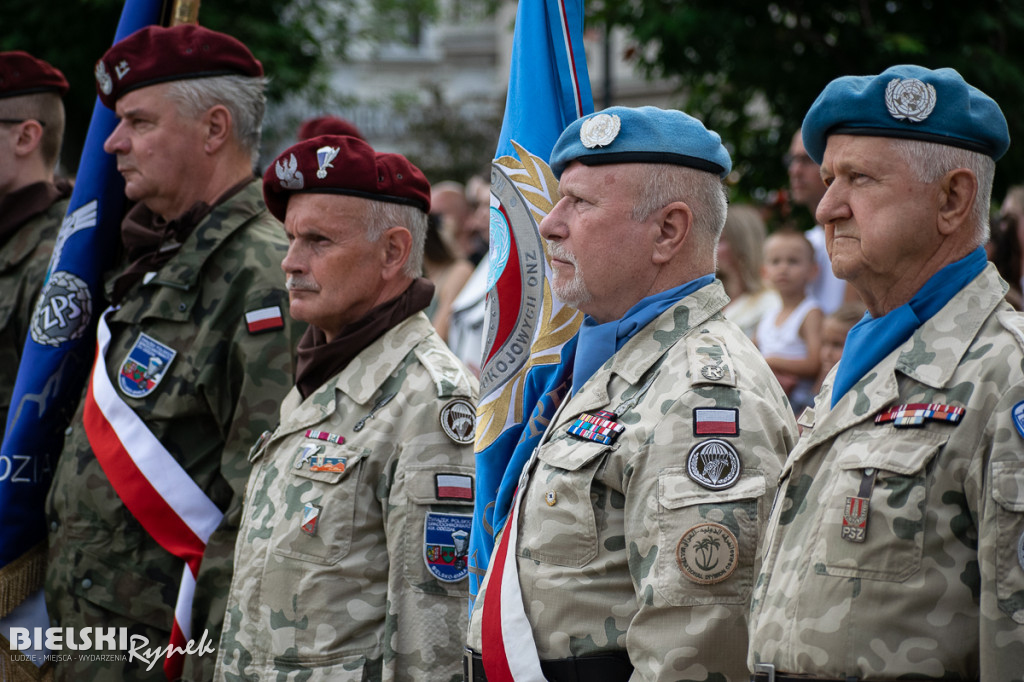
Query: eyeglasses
x=16, y=121
x=798, y=159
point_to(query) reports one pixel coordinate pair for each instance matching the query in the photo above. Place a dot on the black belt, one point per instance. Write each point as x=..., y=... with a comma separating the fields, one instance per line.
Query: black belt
x=609, y=667
x=767, y=673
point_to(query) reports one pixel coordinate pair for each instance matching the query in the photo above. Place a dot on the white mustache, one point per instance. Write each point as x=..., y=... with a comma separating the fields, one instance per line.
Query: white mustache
x=556, y=250
x=297, y=282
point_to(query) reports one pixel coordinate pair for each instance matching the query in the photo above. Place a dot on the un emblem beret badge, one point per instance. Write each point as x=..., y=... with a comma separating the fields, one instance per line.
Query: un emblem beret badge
x=600, y=130
x=909, y=99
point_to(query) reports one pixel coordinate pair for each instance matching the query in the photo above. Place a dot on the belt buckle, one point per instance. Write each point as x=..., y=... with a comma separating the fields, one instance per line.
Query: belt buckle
x=467, y=664
x=767, y=669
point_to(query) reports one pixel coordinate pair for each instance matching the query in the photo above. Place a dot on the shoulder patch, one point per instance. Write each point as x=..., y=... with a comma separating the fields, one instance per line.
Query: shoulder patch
x=709, y=360
x=458, y=420
x=264, y=319
x=449, y=376
x=446, y=545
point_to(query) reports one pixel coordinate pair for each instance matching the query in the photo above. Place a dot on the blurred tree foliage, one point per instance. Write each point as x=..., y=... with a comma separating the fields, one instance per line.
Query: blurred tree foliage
x=750, y=69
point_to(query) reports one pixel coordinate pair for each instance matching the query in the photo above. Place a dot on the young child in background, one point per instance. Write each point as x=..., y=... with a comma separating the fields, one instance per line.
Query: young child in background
x=789, y=335
x=833, y=336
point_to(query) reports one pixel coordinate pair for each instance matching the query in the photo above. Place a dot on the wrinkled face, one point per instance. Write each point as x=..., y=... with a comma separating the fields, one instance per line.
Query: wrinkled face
x=789, y=263
x=805, y=184
x=157, y=150
x=598, y=253
x=333, y=272
x=880, y=222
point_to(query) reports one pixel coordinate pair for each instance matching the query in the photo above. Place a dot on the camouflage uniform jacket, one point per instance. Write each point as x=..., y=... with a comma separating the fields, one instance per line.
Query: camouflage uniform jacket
x=220, y=391
x=23, y=262
x=345, y=500
x=650, y=545
x=935, y=589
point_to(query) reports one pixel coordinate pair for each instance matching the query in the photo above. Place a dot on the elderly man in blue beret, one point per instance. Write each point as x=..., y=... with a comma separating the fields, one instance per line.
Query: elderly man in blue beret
x=634, y=543
x=896, y=545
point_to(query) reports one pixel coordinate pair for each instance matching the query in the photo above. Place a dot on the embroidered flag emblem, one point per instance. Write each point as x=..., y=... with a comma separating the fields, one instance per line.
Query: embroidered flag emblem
x=335, y=438
x=916, y=414
x=144, y=366
x=716, y=421
x=264, y=319
x=599, y=427
x=310, y=518
x=446, y=545
x=454, y=487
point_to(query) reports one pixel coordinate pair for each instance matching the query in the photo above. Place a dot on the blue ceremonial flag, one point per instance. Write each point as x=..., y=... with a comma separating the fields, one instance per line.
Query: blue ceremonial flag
x=61, y=342
x=531, y=336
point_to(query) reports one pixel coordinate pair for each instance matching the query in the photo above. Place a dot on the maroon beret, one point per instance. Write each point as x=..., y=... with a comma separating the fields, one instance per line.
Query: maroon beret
x=328, y=125
x=157, y=55
x=340, y=164
x=23, y=74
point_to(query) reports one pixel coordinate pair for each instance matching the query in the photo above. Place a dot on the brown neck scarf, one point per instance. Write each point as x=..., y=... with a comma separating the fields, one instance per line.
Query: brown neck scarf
x=150, y=241
x=29, y=201
x=319, y=360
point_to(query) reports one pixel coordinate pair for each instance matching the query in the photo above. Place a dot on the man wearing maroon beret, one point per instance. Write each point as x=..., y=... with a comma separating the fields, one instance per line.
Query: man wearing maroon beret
x=351, y=561
x=32, y=202
x=194, y=356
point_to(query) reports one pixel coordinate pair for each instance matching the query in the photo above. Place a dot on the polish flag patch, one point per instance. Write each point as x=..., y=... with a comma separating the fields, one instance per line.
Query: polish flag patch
x=264, y=319
x=716, y=421
x=454, y=487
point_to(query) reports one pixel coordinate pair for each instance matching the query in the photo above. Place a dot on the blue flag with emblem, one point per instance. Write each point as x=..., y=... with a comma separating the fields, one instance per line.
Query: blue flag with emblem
x=60, y=345
x=531, y=336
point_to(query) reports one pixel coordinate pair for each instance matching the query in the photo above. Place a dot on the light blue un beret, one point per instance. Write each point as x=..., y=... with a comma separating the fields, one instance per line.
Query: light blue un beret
x=640, y=135
x=909, y=102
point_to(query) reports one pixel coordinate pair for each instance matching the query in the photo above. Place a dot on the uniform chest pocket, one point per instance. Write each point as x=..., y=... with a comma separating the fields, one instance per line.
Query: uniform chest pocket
x=1008, y=492
x=873, y=523
x=319, y=502
x=558, y=522
x=707, y=539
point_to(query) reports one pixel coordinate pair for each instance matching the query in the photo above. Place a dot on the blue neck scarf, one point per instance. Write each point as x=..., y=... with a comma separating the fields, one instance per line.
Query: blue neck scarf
x=870, y=340
x=598, y=342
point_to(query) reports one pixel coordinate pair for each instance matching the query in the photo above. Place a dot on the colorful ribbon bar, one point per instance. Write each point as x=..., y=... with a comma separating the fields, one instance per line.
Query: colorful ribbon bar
x=915, y=414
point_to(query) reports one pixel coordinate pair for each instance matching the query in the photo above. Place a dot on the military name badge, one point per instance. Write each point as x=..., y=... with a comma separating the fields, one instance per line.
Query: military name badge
x=458, y=420
x=144, y=367
x=714, y=464
x=708, y=553
x=310, y=519
x=446, y=545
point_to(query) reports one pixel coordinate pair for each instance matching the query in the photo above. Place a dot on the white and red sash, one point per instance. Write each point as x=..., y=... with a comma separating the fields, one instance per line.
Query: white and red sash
x=509, y=652
x=153, y=486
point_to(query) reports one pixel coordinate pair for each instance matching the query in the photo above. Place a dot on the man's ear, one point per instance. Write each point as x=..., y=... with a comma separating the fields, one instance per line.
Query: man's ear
x=675, y=226
x=397, y=246
x=29, y=137
x=958, y=190
x=217, y=122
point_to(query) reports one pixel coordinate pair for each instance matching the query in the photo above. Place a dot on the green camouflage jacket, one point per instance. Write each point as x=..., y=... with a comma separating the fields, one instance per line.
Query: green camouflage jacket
x=925, y=580
x=23, y=262
x=221, y=389
x=351, y=560
x=650, y=544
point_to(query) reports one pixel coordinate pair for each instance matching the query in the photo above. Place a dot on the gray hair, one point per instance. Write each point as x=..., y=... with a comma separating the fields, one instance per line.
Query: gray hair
x=660, y=184
x=929, y=161
x=381, y=215
x=242, y=95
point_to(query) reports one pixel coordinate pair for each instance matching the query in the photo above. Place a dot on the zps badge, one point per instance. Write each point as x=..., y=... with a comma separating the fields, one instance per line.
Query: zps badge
x=144, y=367
x=446, y=545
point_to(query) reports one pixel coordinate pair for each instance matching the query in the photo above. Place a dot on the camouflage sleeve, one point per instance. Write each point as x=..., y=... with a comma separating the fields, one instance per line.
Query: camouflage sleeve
x=692, y=535
x=428, y=513
x=996, y=485
x=258, y=373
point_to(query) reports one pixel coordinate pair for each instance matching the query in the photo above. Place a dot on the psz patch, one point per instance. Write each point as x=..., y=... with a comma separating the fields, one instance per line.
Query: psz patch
x=144, y=367
x=716, y=421
x=708, y=553
x=446, y=545
x=458, y=419
x=453, y=487
x=714, y=464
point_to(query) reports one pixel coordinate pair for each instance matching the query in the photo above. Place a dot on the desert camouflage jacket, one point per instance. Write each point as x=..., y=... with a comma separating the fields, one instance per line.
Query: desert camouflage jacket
x=351, y=560
x=220, y=390
x=23, y=262
x=649, y=544
x=896, y=547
